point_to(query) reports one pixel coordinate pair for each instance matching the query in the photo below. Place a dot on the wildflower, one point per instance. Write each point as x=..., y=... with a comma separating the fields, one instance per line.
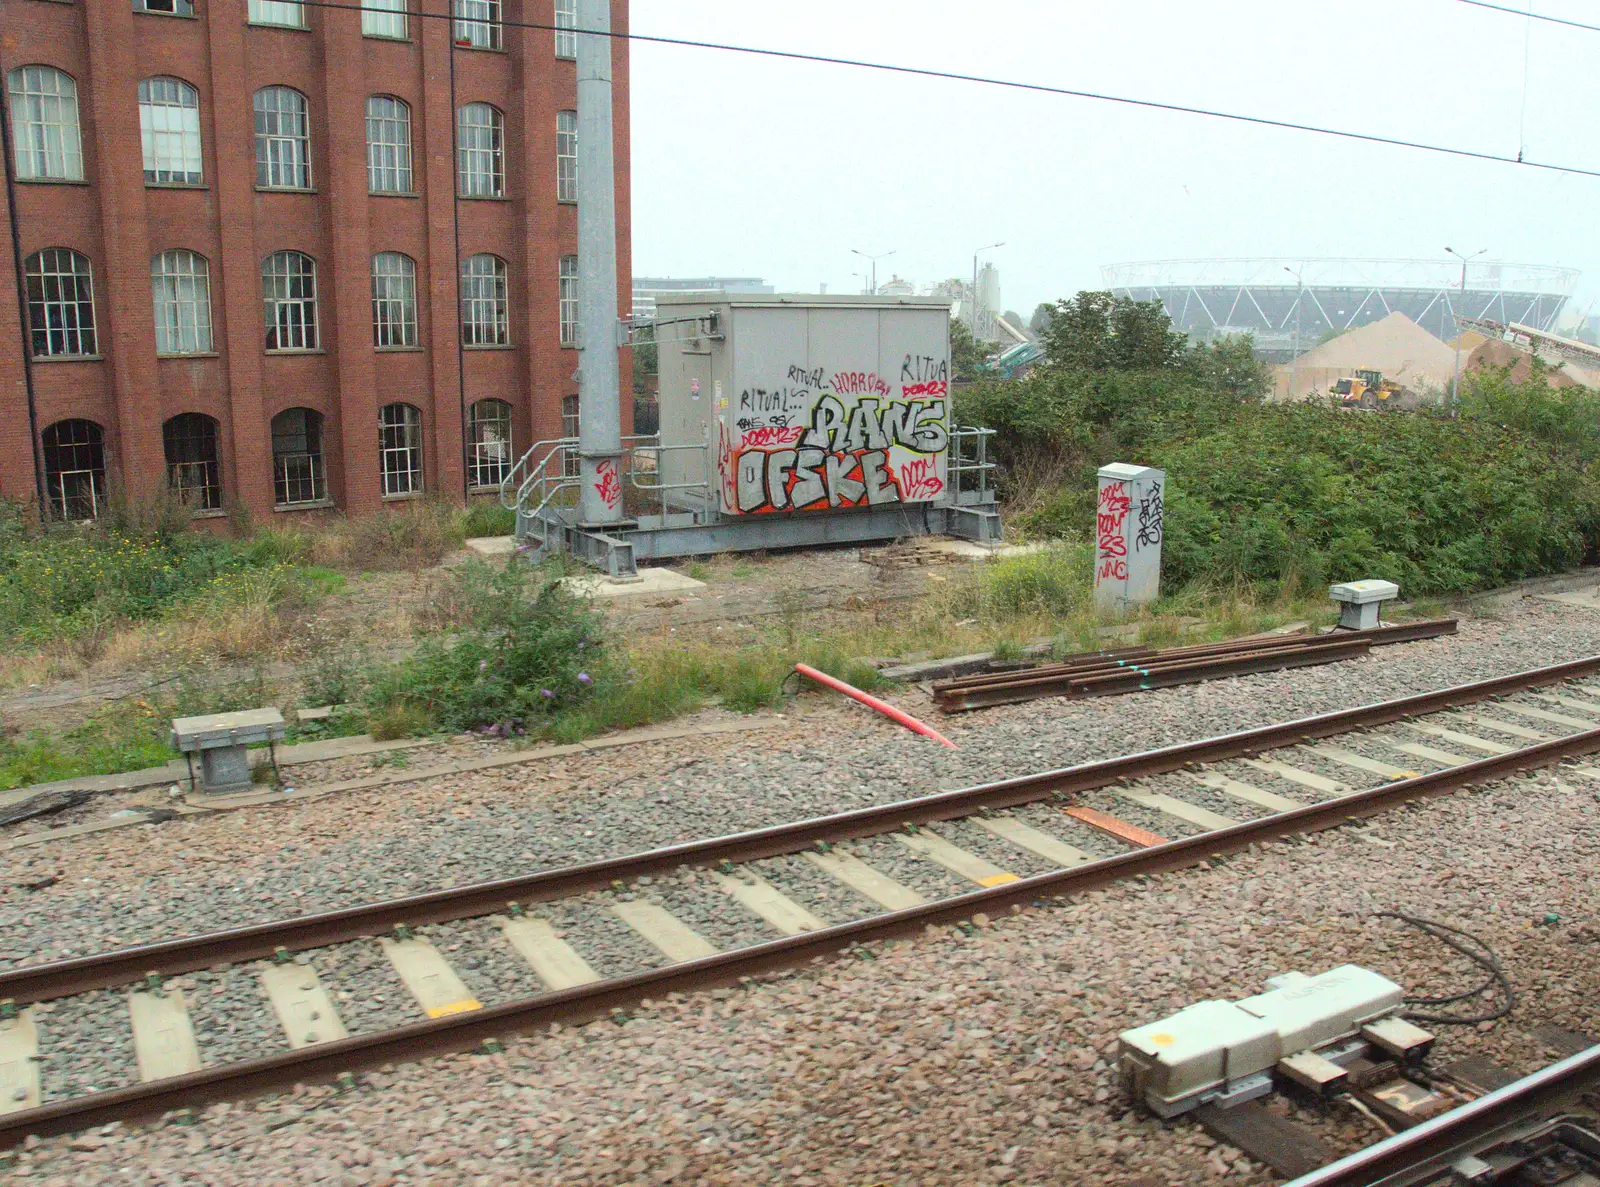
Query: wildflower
x=585, y=679
x=483, y=665
x=547, y=694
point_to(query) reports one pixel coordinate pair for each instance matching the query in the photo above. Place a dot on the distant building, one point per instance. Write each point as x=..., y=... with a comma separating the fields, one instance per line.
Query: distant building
x=897, y=286
x=647, y=288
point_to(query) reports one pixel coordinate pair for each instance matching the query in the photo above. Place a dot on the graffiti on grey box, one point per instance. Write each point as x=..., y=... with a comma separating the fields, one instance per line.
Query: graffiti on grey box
x=826, y=439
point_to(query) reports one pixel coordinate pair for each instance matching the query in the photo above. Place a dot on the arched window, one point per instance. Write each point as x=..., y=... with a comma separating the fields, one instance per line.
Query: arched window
x=484, y=320
x=283, y=139
x=478, y=23
x=388, y=145
x=566, y=156
x=566, y=23
x=180, y=289
x=400, y=449
x=60, y=302
x=480, y=151
x=289, y=300
x=394, y=299
x=169, y=126
x=297, y=473
x=568, y=301
x=193, y=472
x=44, y=124
x=489, y=434
x=74, y=468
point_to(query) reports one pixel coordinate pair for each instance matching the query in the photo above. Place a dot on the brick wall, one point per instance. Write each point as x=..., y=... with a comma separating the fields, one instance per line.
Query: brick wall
x=120, y=223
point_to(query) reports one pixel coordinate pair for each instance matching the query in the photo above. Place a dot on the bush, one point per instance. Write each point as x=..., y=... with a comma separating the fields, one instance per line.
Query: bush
x=1300, y=494
x=524, y=649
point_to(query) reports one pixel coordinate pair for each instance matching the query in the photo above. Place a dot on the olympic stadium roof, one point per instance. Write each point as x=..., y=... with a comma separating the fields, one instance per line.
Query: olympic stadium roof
x=1277, y=298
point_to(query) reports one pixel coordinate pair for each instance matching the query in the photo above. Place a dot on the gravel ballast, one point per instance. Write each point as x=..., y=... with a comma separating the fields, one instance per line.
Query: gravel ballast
x=858, y=1072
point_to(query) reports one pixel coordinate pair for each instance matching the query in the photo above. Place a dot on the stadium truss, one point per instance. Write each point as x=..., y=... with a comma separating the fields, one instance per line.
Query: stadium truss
x=1210, y=298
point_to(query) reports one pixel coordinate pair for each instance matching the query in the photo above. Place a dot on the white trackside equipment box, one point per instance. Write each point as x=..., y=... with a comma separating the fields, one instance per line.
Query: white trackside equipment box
x=1225, y=1051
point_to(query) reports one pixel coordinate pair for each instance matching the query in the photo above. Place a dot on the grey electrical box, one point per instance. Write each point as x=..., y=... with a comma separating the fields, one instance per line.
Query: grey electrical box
x=1361, y=602
x=804, y=404
x=221, y=740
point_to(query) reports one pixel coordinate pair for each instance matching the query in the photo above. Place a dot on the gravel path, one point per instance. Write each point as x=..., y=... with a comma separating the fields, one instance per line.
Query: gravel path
x=697, y=1090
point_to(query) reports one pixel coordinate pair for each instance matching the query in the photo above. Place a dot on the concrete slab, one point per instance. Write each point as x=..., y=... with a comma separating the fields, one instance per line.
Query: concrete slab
x=163, y=1036
x=649, y=581
x=19, y=1063
x=954, y=858
x=865, y=881
x=492, y=545
x=1034, y=840
x=1588, y=598
x=302, y=1005
x=433, y=983
x=665, y=932
x=764, y=899
x=970, y=550
x=555, y=961
x=1179, y=809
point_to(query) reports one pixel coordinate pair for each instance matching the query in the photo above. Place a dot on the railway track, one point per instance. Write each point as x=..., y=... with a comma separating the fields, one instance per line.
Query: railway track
x=815, y=888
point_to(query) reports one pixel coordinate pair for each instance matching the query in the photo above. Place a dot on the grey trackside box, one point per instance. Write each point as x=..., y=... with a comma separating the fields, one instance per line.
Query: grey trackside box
x=807, y=404
x=1360, y=602
x=221, y=738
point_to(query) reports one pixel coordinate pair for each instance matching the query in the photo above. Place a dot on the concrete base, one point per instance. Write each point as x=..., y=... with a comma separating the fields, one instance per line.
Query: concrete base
x=1589, y=598
x=225, y=770
x=648, y=581
x=492, y=545
x=971, y=550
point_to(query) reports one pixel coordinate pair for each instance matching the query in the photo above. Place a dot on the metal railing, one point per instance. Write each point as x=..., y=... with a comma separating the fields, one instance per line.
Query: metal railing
x=969, y=476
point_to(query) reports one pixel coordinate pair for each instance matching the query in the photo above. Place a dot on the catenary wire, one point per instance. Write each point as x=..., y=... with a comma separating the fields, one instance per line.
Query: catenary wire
x=985, y=80
x=1537, y=16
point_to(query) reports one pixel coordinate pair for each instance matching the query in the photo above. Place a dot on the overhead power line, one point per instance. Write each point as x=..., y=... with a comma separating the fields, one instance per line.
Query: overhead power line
x=1010, y=84
x=1537, y=16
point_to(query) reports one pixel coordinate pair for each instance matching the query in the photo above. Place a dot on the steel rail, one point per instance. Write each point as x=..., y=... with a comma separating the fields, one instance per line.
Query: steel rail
x=260, y=941
x=461, y=1032
x=1416, y=1155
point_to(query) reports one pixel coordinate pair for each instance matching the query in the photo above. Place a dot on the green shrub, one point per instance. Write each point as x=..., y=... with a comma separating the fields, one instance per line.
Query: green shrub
x=486, y=517
x=1056, y=581
x=524, y=650
x=1309, y=495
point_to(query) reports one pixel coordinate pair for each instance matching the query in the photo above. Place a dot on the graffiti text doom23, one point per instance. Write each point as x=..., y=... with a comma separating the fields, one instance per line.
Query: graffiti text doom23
x=854, y=445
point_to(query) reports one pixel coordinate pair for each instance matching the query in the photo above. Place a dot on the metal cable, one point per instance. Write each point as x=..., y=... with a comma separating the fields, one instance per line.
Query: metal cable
x=1012, y=84
x=1486, y=959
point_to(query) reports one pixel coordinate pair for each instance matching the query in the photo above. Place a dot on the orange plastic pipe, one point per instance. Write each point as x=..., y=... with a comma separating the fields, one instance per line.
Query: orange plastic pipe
x=872, y=702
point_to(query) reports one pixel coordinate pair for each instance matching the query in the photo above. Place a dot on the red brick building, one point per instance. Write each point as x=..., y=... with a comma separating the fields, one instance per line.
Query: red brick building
x=286, y=256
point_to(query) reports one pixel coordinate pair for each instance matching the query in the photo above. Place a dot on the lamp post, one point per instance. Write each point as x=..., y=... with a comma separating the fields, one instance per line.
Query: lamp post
x=882, y=255
x=862, y=277
x=1455, y=384
x=975, y=255
x=1294, y=363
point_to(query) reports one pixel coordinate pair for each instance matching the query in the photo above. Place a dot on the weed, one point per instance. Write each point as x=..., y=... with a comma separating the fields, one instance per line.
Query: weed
x=742, y=570
x=399, y=719
x=699, y=570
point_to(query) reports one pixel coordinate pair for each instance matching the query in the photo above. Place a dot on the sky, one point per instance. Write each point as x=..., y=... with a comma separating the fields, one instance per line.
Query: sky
x=749, y=166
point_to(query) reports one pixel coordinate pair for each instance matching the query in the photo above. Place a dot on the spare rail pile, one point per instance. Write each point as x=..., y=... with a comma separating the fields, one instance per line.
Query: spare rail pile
x=1105, y=673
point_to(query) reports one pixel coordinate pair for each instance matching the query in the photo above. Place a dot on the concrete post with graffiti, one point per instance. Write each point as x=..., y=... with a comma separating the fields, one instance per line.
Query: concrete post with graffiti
x=1129, y=525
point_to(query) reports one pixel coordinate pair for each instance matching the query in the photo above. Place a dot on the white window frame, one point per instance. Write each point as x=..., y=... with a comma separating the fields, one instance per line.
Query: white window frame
x=285, y=14
x=566, y=156
x=283, y=138
x=169, y=132
x=399, y=450
x=389, y=25
x=485, y=316
x=571, y=426
x=165, y=7
x=60, y=286
x=388, y=145
x=47, y=142
x=477, y=24
x=77, y=479
x=394, y=300
x=180, y=291
x=489, y=437
x=298, y=473
x=566, y=23
x=567, y=295
x=289, y=302
x=480, y=151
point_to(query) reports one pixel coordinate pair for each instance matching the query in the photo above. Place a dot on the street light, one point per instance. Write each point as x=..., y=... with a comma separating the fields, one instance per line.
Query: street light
x=862, y=277
x=974, y=301
x=1455, y=385
x=882, y=255
x=1294, y=363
